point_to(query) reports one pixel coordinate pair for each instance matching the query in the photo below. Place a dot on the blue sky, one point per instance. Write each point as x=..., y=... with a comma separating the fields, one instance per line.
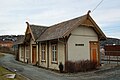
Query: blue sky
x=14, y=14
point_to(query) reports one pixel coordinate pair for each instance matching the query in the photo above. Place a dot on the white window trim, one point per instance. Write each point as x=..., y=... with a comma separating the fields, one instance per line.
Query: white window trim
x=43, y=52
x=22, y=52
x=54, y=53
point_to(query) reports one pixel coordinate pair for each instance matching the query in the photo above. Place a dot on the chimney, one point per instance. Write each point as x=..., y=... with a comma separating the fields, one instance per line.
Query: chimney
x=27, y=24
x=88, y=12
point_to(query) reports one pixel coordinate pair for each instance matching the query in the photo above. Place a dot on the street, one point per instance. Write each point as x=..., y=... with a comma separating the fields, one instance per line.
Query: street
x=35, y=73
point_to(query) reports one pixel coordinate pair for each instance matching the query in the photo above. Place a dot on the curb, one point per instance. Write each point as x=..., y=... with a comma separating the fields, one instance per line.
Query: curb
x=107, y=70
x=23, y=76
x=16, y=72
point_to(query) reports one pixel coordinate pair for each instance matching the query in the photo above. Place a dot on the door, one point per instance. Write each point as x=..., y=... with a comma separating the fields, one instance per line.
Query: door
x=94, y=52
x=34, y=54
x=94, y=55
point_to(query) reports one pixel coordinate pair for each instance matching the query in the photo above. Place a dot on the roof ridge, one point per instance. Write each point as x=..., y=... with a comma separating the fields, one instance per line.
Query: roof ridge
x=37, y=30
x=38, y=25
x=58, y=30
x=75, y=23
x=68, y=20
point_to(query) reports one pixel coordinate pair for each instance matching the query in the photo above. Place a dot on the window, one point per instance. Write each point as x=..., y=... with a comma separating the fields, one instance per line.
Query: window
x=27, y=52
x=54, y=53
x=22, y=51
x=43, y=51
x=79, y=44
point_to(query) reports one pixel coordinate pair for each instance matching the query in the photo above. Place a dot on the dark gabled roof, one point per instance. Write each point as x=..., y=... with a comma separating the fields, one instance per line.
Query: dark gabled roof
x=19, y=40
x=64, y=29
x=60, y=30
x=37, y=30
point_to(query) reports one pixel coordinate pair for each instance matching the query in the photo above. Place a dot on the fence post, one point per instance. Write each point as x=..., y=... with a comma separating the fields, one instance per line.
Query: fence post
x=109, y=58
x=117, y=60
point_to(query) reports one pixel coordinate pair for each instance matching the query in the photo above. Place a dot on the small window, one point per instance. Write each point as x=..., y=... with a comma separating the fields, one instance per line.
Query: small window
x=79, y=44
x=22, y=51
x=27, y=52
x=43, y=51
x=54, y=52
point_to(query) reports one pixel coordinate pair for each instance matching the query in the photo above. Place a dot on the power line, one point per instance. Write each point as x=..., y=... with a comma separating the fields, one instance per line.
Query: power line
x=97, y=5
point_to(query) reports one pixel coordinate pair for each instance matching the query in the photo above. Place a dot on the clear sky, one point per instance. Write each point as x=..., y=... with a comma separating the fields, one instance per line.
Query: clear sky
x=14, y=14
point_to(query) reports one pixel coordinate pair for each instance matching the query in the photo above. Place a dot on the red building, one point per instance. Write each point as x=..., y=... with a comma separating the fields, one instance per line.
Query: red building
x=8, y=44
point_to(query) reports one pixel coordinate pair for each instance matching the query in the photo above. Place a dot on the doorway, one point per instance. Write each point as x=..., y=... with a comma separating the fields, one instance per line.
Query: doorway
x=33, y=54
x=94, y=51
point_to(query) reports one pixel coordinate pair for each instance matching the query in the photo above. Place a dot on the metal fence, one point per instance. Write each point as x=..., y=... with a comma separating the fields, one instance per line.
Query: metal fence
x=111, y=57
x=110, y=54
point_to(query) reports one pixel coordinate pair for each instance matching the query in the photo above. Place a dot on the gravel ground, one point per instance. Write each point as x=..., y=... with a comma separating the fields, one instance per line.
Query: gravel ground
x=35, y=73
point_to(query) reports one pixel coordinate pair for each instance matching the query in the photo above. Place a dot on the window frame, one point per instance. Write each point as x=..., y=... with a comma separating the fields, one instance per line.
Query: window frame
x=43, y=52
x=54, y=53
x=22, y=51
x=27, y=48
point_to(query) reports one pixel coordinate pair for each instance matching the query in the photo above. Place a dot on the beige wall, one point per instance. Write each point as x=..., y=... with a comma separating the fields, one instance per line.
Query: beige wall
x=42, y=63
x=25, y=55
x=81, y=35
x=30, y=52
x=33, y=43
x=20, y=51
x=61, y=52
x=36, y=52
x=61, y=56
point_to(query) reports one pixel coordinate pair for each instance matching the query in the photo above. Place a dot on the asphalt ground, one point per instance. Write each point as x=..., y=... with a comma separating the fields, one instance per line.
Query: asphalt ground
x=35, y=73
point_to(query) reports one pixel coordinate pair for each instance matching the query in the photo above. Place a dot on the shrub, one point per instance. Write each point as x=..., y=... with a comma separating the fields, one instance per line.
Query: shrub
x=80, y=66
x=69, y=66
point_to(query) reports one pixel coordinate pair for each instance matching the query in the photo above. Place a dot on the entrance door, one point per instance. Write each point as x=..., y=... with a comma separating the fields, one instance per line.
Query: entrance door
x=34, y=54
x=94, y=52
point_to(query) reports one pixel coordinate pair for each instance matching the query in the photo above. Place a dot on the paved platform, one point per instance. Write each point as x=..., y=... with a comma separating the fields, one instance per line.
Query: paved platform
x=35, y=73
